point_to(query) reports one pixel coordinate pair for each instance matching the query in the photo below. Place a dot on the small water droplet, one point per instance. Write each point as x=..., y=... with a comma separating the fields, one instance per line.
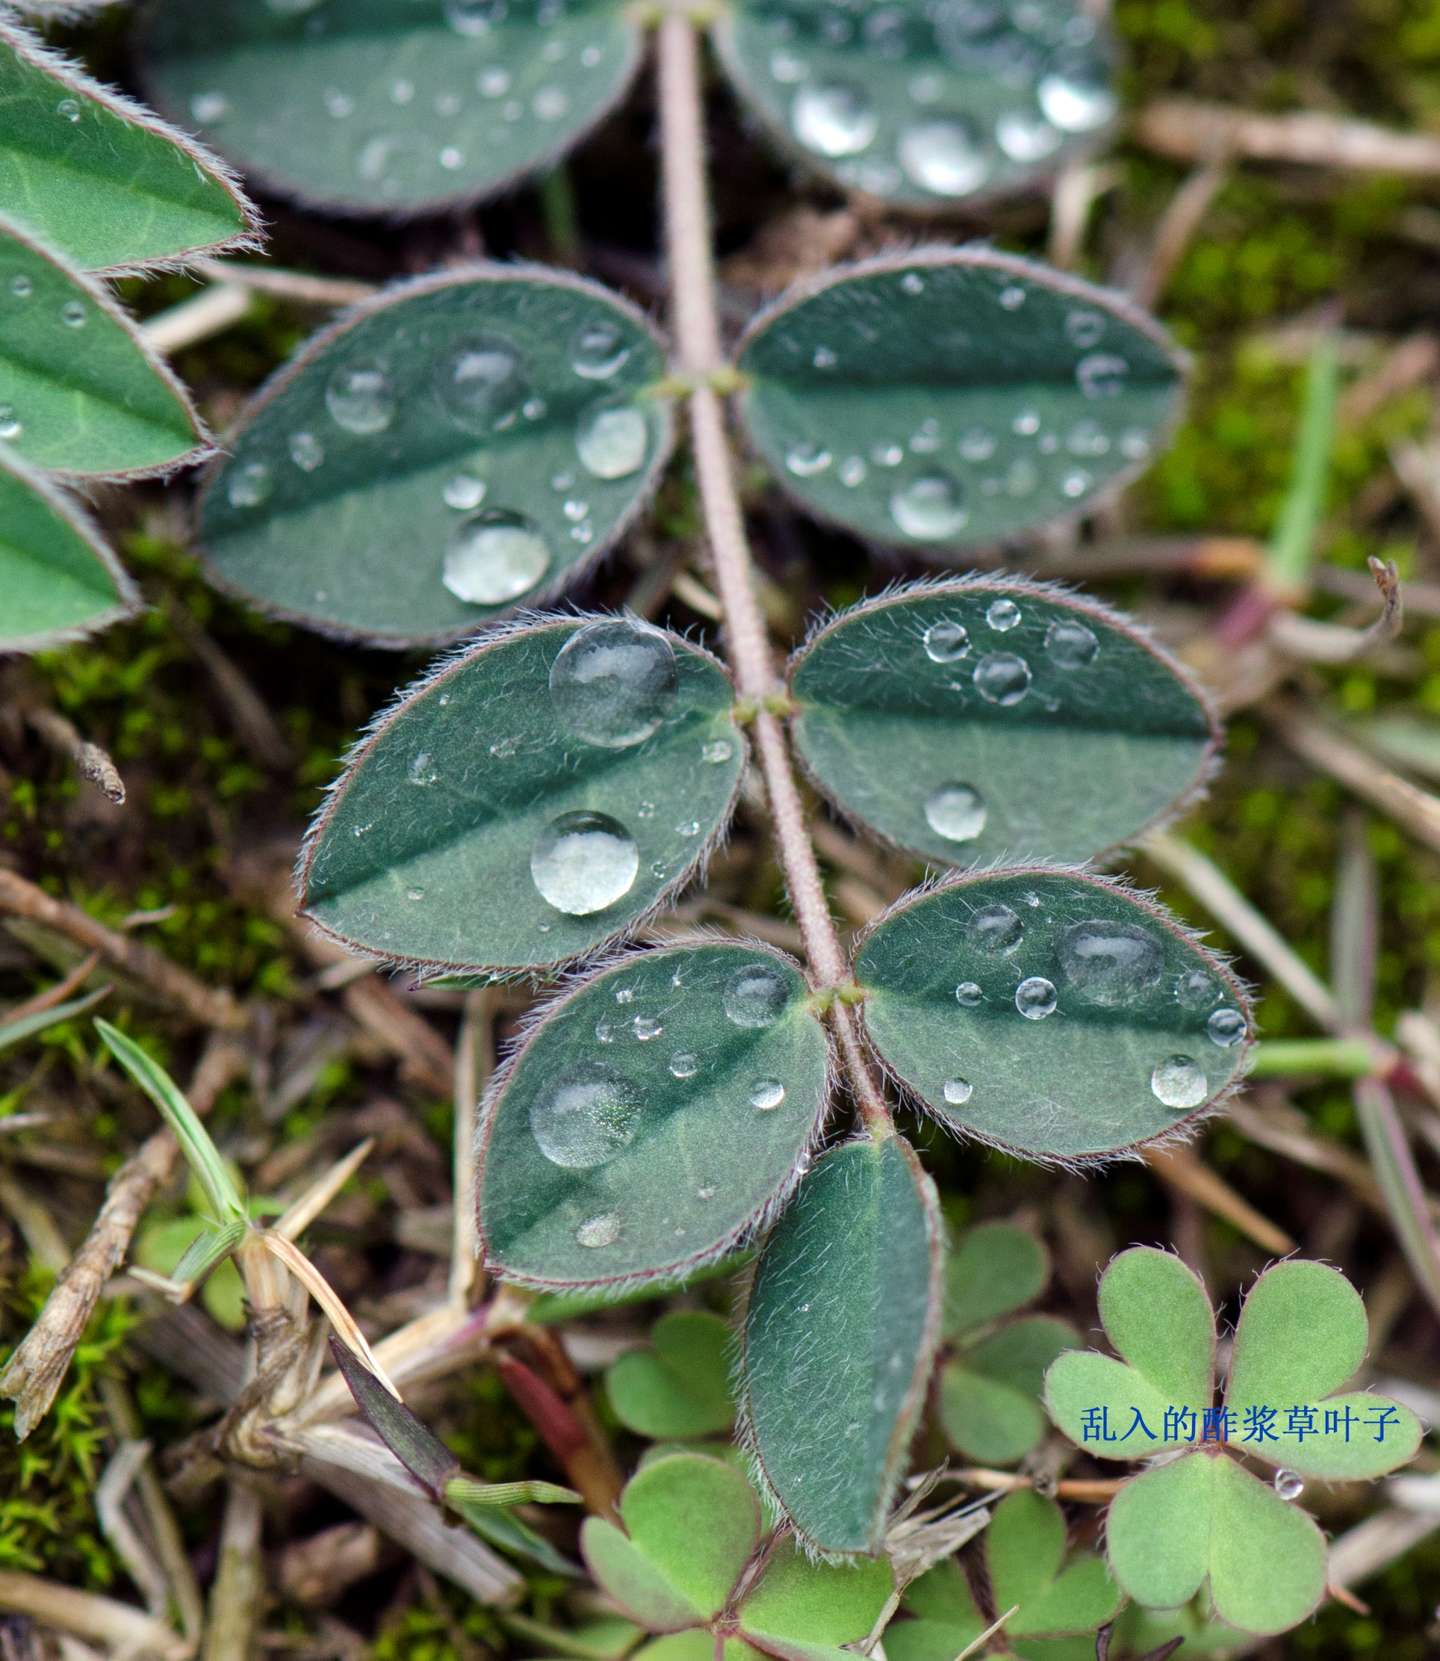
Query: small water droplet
x=958, y=1091
x=1101, y=374
x=451, y=158
x=21, y=286
x=823, y=358
x=249, y=485
x=474, y=17
x=1226, y=1028
x=1012, y=297
x=1035, y=998
x=912, y=283
x=1077, y=97
x=624, y=994
x=413, y=894
x=969, y=995
x=209, y=108
x=10, y=423
x=306, y=451
x=852, y=472
x=1195, y=990
x=996, y=928
x=598, y=350
x=493, y=82
x=611, y=440
x=360, y=398
x=1070, y=644
x=683, y=1064
x=494, y=557
x=1084, y=329
x=73, y=314
x=340, y=105
x=1110, y=964
x=604, y=1032
x=755, y=996
x=68, y=110
x=1179, y=1081
x=834, y=119
x=944, y=156
x=976, y=445
x=887, y=455
x=716, y=751
x=646, y=1027
x=956, y=812
x=1075, y=484
x=1002, y=678
x=806, y=459
x=766, y=1094
x=613, y=682
x=1026, y=136
x=929, y=507
x=1289, y=1485
x=688, y=828
x=584, y=862
x=422, y=770
x=550, y=103
x=1002, y=615
x=706, y=1193
x=586, y=1117
x=603, y=1229
x=946, y=642
x=479, y=382
x=463, y=492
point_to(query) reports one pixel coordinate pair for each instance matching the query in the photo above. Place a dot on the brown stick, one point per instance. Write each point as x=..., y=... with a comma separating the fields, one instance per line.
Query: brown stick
x=552, y=1395
x=1189, y=130
x=92, y=763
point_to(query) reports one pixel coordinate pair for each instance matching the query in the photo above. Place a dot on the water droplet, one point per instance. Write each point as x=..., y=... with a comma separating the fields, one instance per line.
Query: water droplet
x=611, y=440
x=646, y=1027
x=10, y=424
x=339, y=105
x=887, y=455
x=494, y=557
x=958, y=1091
x=493, y=82
x=68, y=110
x=996, y=928
x=708, y=1192
x=805, y=460
x=1002, y=615
x=598, y=351
x=550, y=103
x=1134, y=445
x=613, y=682
x=1289, y=1485
x=716, y=751
x=413, y=894
x=1026, y=136
x=834, y=119
x=73, y=314
x=1002, y=678
x=21, y=286
x=1084, y=329
x=360, y=398
x=249, y=485
x=944, y=156
x=584, y=862
x=474, y=17
x=585, y=1118
x=479, y=382
x=624, y=994
x=1077, y=97
x=1012, y=297
x=969, y=995
x=603, y=1229
x=463, y=492
x=1075, y=484
x=1226, y=1028
x=912, y=283
x=1101, y=374
x=684, y=1065
x=956, y=812
x=401, y=90
x=766, y=1094
x=1109, y=963
x=929, y=507
x=291, y=8
x=946, y=642
x=306, y=451
x=1195, y=990
x=1035, y=998
x=1070, y=644
x=756, y=995
x=823, y=358
x=421, y=770
x=1179, y=1081
x=451, y=158
x=209, y=108
x=604, y=1032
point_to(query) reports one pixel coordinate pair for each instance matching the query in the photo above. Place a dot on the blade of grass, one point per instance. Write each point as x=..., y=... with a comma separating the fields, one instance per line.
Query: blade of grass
x=1292, y=546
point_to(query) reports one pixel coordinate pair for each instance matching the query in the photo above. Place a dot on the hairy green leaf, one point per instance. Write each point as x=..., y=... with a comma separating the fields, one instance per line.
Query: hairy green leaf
x=59, y=578
x=101, y=179
x=925, y=107
x=456, y=447
x=652, y=1118
x=1051, y=1013
x=950, y=398
x=80, y=392
x=970, y=720
x=385, y=105
x=680, y=1386
x=839, y=1333
x=989, y=1397
x=530, y=799
x=801, y=1610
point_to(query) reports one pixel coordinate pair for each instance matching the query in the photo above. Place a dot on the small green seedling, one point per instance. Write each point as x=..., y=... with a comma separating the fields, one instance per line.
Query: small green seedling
x=678, y=1387
x=1200, y=1519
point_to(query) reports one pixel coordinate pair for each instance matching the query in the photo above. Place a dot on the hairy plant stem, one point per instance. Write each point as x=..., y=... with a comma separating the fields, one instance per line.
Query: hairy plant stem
x=697, y=335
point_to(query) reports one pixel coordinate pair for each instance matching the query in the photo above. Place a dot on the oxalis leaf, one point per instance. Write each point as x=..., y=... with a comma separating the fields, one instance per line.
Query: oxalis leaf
x=656, y=1115
x=839, y=1332
x=385, y=105
x=102, y=179
x=80, y=392
x=444, y=452
x=1052, y=1013
x=59, y=578
x=533, y=797
x=679, y=1386
x=953, y=397
x=998, y=703
x=924, y=106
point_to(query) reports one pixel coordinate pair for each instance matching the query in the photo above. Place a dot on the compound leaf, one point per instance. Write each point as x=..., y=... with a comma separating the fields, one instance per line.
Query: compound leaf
x=1158, y=1316
x=1051, y=1013
x=925, y=107
x=59, y=578
x=1024, y=1549
x=989, y=1393
x=101, y=179
x=1157, y=1532
x=385, y=106
x=679, y=1387
x=951, y=398
x=80, y=392
x=628, y=1576
x=449, y=450
x=839, y=1333
x=994, y=1269
x=969, y=720
x=652, y=1119
x=528, y=800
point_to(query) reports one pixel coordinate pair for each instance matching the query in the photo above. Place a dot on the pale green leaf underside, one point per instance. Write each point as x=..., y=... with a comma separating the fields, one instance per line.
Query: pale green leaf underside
x=815, y=1603
x=1097, y=1074
x=426, y=852
x=966, y=740
x=632, y=1580
x=989, y=1394
x=57, y=576
x=992, y=1270
x=679, y=1387
x=361, y=476
x=79, y=391
x=105, y=183
x=947, y=399
x=1081, y=1382
x=390, y=105
x=1158, y=1316
x=697, y=1520
x=923, y=106
x=615, y=1150
x=838, y=1336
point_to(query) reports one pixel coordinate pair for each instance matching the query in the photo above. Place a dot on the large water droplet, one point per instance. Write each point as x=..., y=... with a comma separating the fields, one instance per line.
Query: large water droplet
x=21, y=286
x=611, y=440
x=996, y=928
x=969, y=995
x=1070, y=644
x=1110, y=963
x=1077, y=97
x=1003, y=615
x=944, y=156
x=1035, y=998
x=756, y=995
x=598, y=351
x=929, y=507
x=1179, y=1081
x=360, y=398
x=956, y=812
x=603, y=1229
x=766, y=1094
x=958, y=1091
x=1289, y=1485
x=946, y=642
x=833, y=119
x=68, y=110
x=1226, y=1028
x=585, y=1117
x=494, y=557
x=1002, y=678
x=479, y=382
x=1101, y=374
x=584, y=862
x=613, y=682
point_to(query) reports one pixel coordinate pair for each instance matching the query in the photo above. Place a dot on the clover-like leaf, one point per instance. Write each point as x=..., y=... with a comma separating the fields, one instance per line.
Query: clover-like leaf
x=1140, y=1632
x=532, y=798
x=80, y=392
x=969, y=720
x=925, y=107
x=989, y=1397
x=386, y=106
x=839, y=1333
x=59, y=578
x=949, y=398
x=451, y=449
x=654, y=1117
x=1051, y=1013
x=98, y=177
x=992, y=1270
x=679, y=1386
x=800, y=1610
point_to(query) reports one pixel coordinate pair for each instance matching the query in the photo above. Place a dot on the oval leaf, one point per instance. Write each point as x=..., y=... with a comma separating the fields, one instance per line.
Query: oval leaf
x=59, y=579
x=518, y=807
x=445, y=452
x=385, y=106
x=1050, y=1013
x=924, y=106
x=680, y=1386
x=950, y=398
x=998, y=704
x=654, y=1118
x=101, y=179
x=839, y=1333
x=80, y=392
